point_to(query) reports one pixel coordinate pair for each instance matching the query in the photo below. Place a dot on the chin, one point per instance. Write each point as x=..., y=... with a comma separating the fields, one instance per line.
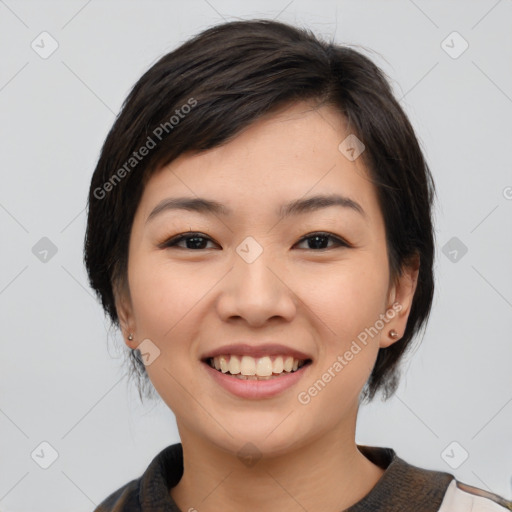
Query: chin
x=267, y=436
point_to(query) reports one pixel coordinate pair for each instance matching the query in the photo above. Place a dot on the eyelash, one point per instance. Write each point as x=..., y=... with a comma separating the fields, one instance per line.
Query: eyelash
x=173, y=242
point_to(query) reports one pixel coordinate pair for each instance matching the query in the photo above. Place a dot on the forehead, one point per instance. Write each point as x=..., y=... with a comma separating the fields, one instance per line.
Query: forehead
x=290, y=154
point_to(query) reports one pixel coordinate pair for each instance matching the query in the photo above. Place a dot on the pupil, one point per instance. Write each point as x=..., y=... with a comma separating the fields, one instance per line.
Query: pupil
x=195, y=242
x=316, y=242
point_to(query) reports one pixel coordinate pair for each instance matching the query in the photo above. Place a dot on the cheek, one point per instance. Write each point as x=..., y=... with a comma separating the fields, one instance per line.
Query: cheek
x=163, y=296
x=166, y=302
x=348, y=305
x=347, y=297
x=346, y=302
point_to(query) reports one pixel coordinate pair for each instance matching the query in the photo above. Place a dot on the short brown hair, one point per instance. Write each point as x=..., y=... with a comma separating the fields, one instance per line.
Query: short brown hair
x=228, y=77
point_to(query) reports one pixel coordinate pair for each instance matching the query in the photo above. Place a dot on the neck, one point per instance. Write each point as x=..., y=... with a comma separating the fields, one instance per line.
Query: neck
x=328, y=474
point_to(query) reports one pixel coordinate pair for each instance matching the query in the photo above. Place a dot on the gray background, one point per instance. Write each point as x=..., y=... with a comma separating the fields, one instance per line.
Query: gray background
x=62, y=377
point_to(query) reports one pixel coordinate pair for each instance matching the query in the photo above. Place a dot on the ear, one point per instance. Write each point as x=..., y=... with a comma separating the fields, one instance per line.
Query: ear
x=400, y=298
x=125, y=314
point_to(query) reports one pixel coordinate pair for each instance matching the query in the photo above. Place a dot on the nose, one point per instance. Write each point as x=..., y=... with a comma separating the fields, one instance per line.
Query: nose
x=256, y=293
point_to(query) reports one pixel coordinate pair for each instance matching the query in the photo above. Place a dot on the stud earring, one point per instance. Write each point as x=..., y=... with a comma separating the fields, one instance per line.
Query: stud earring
x=130, y=337
x=393, y=334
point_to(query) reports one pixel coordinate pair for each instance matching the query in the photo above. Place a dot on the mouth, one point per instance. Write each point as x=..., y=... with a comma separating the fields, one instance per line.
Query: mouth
x=267, y=367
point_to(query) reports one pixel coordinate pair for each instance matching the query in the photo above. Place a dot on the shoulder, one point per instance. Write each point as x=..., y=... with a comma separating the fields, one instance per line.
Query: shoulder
x=405, y=487
x=125, y=499
x=151, y=490
x=461, y=497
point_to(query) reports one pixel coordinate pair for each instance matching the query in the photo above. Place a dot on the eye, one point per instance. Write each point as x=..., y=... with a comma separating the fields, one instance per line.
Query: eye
x=193, y=241
x=321, y=241
x=199, y=241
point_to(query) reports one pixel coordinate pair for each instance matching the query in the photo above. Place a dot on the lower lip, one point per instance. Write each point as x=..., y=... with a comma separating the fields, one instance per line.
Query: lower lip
x=256, y=389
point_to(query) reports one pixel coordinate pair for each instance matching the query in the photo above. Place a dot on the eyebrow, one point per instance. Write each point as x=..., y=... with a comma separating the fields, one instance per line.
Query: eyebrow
x=297, y=207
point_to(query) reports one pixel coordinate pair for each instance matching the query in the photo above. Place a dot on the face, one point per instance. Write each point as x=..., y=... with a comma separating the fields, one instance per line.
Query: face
x=252, y=266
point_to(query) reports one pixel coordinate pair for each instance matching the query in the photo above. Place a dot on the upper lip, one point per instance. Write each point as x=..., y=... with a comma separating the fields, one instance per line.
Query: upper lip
x=243, y=349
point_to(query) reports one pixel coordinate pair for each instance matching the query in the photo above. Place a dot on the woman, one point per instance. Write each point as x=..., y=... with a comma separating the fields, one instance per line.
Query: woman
x=260, y=230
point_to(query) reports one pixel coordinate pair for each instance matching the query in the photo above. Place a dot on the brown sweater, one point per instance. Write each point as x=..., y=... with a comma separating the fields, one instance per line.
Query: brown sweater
x=402, y=488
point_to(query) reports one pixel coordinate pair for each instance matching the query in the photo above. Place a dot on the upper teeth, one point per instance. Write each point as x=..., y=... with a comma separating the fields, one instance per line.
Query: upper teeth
x=261, y=367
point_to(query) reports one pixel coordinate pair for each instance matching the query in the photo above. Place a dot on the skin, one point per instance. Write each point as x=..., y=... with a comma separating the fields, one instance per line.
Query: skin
x=189, y=301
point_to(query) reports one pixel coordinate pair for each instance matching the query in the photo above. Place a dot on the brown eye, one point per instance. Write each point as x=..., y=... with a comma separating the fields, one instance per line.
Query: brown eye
x=321, y=241
x=192, y=241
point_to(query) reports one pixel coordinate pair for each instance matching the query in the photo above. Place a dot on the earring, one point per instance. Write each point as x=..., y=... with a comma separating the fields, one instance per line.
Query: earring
x=130, y=336
x=393, y=334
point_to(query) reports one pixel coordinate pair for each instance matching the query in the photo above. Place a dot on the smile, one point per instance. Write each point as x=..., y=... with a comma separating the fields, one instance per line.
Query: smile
x=256, y=368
